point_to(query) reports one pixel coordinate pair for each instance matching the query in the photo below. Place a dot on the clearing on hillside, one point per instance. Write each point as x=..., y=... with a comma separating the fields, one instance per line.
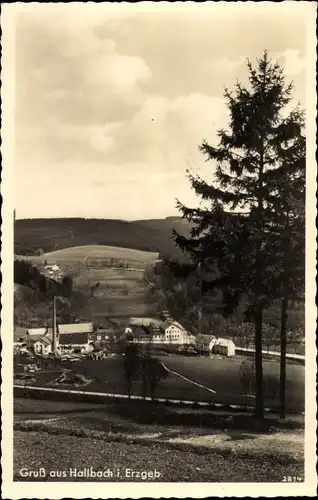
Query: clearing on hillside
x=88, y=253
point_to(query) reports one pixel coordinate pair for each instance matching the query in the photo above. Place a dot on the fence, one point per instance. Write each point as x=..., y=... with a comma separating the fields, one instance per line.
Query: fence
x=298, y=357
x=48, y=393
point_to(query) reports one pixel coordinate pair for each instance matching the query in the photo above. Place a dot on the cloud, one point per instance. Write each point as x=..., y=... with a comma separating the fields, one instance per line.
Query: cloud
x=112, y=106
x=71, y=88
x=293, y=62
x=164, y=131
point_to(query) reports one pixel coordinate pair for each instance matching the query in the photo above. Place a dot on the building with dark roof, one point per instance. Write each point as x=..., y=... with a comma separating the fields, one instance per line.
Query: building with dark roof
x=78, y=341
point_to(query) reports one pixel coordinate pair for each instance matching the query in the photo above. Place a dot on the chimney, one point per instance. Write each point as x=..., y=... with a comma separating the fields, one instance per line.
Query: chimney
x=200, y=309
x=54, y=334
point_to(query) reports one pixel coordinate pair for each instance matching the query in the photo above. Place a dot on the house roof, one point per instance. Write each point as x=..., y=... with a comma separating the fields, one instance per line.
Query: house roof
x=36, y=331
x=36, y=338
x=45, y=340
x=147, y=329
x=76, y=328
x=143, y=321
x=168, y=322
x=78, y=338
x=202, y=337
x=225, y=342
x=139, y=331
x=107, y=331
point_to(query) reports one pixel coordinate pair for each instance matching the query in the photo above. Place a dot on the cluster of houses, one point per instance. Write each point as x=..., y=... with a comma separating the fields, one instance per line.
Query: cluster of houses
x=53, y=272
x=84, y=337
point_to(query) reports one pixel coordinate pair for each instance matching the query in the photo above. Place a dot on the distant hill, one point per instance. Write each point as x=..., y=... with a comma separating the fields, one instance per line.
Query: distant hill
x=178, y=223
x=34, y=236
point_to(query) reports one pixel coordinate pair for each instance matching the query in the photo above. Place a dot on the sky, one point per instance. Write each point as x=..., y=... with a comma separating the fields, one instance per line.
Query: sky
x=110, y=106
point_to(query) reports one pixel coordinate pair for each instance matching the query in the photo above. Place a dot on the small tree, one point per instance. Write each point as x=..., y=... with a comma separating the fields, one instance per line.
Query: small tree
x=155, y=374
x=247, y=376
x=131, y=365
x=67, y=284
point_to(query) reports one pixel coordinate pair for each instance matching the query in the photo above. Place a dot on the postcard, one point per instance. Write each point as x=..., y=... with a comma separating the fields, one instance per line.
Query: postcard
x=158, y=249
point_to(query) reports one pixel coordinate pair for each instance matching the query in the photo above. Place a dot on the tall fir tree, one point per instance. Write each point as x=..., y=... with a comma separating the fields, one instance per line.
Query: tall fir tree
x=234, y=231
x=286, y=215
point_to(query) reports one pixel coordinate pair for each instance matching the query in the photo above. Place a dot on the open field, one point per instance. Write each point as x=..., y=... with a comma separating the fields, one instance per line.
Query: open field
x=180, y=445
x=223, y=375
x=195, y=379
x=96, y=254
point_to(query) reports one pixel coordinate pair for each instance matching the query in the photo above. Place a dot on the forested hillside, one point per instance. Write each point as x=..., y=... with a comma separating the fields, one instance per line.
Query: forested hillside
x=36, y=236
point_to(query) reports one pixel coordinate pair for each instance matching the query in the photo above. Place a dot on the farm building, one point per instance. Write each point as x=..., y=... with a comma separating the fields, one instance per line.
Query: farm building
x=74, y=342
x=224, y=347
x=204, y=343
x=43, y=345
x=75, y=337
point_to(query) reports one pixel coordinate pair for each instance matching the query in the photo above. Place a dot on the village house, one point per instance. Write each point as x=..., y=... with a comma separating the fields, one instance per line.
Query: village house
x=43, y=345
x=174, y=333
x=139, y=334
x=74, y=342
x=75, y=337
x=224, y=347
x=104, y=333
x=204, y=342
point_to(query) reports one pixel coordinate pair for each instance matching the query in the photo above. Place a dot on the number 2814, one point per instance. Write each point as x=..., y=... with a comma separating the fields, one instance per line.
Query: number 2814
x=292, y=479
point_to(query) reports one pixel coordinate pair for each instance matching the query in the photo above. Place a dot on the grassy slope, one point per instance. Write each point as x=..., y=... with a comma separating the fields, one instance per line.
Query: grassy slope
x=87, y=253
x=122, y=435
x=174, y=465
x=121, y=291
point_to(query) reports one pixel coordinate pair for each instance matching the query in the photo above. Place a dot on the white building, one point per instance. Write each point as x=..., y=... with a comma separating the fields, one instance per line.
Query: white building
x=43, y=346
x=224, y=347
x=75, y=337
x=174, y=333
x=169, y=332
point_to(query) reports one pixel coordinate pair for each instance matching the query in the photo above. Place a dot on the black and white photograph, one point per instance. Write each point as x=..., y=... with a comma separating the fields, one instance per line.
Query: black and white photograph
x=159, y=249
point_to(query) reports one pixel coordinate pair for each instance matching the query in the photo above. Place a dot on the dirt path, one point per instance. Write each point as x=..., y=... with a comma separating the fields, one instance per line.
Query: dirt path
x=188, y=379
